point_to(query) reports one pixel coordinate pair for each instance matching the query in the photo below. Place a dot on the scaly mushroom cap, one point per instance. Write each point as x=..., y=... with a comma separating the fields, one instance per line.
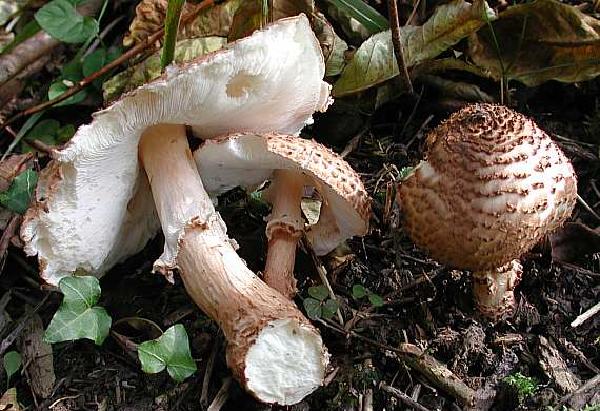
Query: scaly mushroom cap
x=491, y=186
x=94, y=207
x=249, y=159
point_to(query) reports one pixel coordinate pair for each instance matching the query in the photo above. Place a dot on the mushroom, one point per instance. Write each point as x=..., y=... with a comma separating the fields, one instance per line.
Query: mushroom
x=491, y=186
x=94, y=205
x=292, y=164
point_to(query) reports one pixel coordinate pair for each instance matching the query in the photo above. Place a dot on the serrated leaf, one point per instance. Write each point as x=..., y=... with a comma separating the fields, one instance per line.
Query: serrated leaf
x=12, y=363
x=149, y=69
x=539, y=41
x=375, y=299
x=78, y=316
x=330, y=308
x=358, y=291
x=60, y=19
x=18, y=195
x=374, y=61
x=320, y=292
x=312, y=308
x=172, y=351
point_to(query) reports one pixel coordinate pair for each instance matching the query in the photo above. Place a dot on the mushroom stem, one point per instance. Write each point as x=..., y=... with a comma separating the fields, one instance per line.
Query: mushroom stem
x=283, y=231
x=267, y=336
x=494, y=289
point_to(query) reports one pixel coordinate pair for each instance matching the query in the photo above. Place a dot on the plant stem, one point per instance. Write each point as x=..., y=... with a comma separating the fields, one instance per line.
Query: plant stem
x=115, y=63
x=171, y=28
x=397, y=42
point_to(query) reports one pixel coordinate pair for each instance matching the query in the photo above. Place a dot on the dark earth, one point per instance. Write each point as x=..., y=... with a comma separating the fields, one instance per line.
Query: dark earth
x=425, y=304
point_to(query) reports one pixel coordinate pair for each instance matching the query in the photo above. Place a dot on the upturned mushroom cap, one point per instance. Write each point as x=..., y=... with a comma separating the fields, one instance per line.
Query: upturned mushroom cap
x=94, y=207
x=249, y=159
x=492, y=184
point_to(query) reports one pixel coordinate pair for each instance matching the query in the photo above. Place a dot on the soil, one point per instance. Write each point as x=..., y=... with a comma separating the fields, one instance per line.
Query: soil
x=425, y=304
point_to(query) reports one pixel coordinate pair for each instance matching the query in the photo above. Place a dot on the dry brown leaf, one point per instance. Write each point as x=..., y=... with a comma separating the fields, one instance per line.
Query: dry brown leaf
x=9, y=402
x=38, y=356
x=150, y=17
x=540, y=41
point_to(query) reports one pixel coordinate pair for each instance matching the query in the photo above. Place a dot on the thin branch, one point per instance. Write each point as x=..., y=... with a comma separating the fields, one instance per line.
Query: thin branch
x=397, y=42
x=113, y=64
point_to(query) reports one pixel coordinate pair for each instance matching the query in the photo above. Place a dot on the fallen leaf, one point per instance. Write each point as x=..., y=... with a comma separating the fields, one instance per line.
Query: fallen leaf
x=555, y=368
x=539, y=41
x=37, y=355
x=9, y=402
x=374, y=61
x=11, y=167
x=149, y=69
x=333, y=47
x=357, y=19
x=249, y=15
x=213, y=21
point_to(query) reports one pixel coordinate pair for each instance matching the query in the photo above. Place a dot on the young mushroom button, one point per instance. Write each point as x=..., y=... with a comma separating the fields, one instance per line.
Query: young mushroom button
x=95, y=207
x=491, y=186
x=292, y=164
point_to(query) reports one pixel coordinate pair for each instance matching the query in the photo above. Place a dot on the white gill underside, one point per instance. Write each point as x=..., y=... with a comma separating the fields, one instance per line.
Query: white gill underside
x=286, y=363
x=100, y=210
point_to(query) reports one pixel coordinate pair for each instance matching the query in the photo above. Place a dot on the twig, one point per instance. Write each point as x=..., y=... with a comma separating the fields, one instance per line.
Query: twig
x=587, y=207
x=583, y=393
x=368, y=397
x=397, y=42
x=208, y=372
x=585, y=316
x=8, y=341
x=425, y=364
x=113, y=64
x=221, y=397
x=403, y=397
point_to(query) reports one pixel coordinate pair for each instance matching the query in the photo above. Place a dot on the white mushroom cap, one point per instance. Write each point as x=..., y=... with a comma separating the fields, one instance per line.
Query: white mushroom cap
x=249, y=159
x=94, y=207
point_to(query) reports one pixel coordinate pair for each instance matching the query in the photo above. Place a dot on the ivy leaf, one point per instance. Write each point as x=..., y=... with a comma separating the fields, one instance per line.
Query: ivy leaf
x=375, y=300
x=312, y=307
x=320, y=292
x=60, y=19
x=12, y=363
x=330, y=308
x=358, y=291
x=170, y=350
x=18, y=195
x=78, y=316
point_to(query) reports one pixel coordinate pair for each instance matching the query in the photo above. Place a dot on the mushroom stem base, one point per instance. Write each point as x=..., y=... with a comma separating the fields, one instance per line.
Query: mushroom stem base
x=494, y=290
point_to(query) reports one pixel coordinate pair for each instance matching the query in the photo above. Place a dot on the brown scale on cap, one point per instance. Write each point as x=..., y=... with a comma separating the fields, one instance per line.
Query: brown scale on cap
x=491, y=186
x=327, y=166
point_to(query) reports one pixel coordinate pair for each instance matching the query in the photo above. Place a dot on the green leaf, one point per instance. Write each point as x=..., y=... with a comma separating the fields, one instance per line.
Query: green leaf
x=358, y=291
x=78, y=316
x=31, y=28
x=44, y=131
x=330, y=308
x=312, y=308
x=12, y=363
x=170, y=350
x=375, y=299
x=374, y=61
x=93, y=62
x=171, y=26
x=18, y=195
x=320, y=292
x=357, y=18
x=58, y=88
x=60, y=19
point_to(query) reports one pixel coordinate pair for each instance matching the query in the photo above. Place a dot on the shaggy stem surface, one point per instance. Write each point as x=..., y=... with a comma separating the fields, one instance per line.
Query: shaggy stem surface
x=283, y=231
x=271, y=348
